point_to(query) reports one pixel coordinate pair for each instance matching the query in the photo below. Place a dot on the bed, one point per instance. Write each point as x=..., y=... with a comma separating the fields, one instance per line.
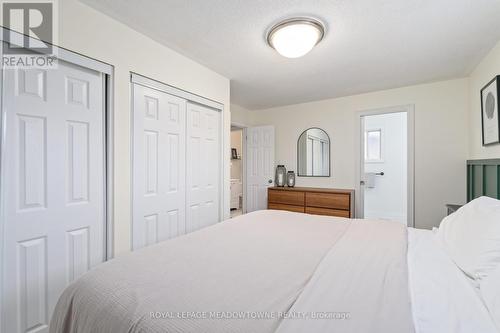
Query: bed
x=284, y=272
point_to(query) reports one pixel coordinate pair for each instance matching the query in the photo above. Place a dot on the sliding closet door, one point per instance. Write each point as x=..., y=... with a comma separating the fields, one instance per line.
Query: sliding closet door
x=53, y=188
x=158, y=166
x=204, y=162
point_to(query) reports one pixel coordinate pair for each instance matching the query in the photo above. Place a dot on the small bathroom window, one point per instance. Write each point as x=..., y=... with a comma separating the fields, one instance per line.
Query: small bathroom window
x=373, y=145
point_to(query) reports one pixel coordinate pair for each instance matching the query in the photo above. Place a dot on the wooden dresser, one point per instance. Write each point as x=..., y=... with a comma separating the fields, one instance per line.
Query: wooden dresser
x=319, y=201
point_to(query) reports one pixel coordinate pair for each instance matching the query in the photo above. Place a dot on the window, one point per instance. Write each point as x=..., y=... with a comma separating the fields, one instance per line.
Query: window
x=373, y=145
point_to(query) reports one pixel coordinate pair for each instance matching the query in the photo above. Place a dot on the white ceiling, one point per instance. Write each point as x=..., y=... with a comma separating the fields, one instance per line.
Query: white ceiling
x=369, y=44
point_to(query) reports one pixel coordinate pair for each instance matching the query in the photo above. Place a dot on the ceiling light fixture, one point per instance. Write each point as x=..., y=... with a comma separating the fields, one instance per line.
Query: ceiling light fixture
x=295, y=37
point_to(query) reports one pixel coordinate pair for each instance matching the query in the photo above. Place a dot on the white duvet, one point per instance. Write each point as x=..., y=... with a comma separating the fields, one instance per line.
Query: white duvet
x=253, y=265
x=269, y=271
x=444, y=300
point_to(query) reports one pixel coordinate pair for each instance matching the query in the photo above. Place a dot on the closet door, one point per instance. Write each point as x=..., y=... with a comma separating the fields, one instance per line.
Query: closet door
x=158, y=166
x=53, y=188
x=204, y=162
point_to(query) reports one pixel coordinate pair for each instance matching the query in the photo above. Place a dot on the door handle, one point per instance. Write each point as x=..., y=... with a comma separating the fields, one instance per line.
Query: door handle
x=362, y=183
x=270, y=181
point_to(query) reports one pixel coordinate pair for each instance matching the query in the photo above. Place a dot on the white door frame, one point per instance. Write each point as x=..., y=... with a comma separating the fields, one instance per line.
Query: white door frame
x=108, y=73
x=243, y=129
x=190, y=97
x=359, y=145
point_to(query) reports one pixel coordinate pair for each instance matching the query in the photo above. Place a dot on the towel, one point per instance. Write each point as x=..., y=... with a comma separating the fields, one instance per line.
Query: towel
x=370, y=179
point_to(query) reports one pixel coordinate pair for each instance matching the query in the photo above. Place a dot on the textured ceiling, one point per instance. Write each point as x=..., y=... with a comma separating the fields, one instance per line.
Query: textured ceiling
x=369, y=45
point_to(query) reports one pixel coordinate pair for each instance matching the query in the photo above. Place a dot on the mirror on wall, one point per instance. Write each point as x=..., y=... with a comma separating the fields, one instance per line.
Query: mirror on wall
x=313, y=153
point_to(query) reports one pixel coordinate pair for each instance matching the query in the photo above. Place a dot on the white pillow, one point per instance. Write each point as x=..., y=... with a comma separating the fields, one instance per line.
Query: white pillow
x=471, y=236
x=490, y=292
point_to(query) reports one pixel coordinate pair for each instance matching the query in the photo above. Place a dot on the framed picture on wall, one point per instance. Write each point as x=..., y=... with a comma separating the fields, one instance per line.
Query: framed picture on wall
x=490, y=106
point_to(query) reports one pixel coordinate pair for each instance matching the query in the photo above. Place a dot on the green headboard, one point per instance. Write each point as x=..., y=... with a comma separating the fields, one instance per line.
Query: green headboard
x=483, y=178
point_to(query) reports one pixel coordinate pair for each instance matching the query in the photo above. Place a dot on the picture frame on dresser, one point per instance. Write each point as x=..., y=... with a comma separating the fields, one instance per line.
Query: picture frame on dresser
x=490, y=118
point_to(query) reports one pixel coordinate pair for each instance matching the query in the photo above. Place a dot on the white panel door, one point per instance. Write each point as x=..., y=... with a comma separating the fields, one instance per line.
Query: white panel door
x=260, y=166
x=203, y=165
x=53, y=188
x=158, y=166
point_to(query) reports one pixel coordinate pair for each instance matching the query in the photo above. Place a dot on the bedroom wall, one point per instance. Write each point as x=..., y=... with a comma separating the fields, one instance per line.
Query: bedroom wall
x=487, y=69
x=87, y=31
x=441, y=144
x=240, y=115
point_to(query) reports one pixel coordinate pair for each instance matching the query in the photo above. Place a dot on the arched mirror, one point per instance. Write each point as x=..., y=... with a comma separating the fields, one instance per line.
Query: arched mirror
x=313, y=153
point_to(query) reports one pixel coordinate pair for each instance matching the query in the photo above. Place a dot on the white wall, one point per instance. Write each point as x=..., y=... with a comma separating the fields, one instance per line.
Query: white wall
x=441, y=113
x=484, y=72
x=387, y=199
x=86, y=31
x=240, y=115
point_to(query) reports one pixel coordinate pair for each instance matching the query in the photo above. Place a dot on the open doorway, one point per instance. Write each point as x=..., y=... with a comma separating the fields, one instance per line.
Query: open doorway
x=386, y=165
x=237, y=170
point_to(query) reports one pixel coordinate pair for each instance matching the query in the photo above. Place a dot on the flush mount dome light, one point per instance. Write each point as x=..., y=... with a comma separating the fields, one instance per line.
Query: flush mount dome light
x=295, y=37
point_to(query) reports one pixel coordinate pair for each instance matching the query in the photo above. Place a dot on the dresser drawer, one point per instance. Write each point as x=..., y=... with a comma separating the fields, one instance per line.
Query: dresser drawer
x=318, y=201
x=327, y=211
x=328, y=200
x=286, y=197
x=291, y=208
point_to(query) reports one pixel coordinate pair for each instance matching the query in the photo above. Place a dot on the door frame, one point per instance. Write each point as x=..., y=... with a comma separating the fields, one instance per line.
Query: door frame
x=107, y=71
x=243, y=129
x=136, y=78
x=359, y=149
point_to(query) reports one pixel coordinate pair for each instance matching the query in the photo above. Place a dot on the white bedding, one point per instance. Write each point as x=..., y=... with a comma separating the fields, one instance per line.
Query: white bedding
x=213, y=280
x=277, y=262
x=444, y=300
x=256, y=264
x=360, y=286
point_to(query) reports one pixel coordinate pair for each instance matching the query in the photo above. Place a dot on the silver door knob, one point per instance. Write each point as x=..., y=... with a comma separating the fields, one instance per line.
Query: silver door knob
x=270, y=181
x=362, y=182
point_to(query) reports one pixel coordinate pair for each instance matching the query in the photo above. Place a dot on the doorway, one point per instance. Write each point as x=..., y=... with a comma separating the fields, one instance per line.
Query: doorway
x=257, y=167
x=237, y=170
x=386, y=165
